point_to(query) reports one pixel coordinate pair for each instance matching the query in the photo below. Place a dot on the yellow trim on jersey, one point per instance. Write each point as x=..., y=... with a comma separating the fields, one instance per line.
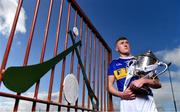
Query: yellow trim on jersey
x=120, y=73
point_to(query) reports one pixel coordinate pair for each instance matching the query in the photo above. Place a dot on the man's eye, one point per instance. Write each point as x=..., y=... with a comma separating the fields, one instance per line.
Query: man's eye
x=122, y=43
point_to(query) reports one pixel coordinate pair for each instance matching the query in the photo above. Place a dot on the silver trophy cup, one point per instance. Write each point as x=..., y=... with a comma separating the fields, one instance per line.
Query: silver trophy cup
x=146, y=66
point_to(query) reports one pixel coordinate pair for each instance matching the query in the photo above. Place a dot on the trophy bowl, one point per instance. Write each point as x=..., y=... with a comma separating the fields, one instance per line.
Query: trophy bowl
x=141, y=65
x=147, y=66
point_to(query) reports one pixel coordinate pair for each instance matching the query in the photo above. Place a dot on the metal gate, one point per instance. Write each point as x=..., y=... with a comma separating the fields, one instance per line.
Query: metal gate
x=94, y=52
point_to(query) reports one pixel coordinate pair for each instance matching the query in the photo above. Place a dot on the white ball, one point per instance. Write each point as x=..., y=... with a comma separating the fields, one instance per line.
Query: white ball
x=75, y=31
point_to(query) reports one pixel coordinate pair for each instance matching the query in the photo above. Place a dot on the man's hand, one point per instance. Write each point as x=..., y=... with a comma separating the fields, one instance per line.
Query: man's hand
x=128, y=94
x=137, y=83
x=153, y=83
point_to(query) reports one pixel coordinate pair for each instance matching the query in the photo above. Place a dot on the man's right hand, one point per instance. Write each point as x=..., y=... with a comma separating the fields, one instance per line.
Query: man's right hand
x=128, y=94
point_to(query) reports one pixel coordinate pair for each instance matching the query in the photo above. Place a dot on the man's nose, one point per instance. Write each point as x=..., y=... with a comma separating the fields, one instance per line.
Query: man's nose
x=125, y=45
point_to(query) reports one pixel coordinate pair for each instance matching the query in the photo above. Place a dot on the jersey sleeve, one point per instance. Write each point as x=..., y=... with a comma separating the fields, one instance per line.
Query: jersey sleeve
x=110, y=69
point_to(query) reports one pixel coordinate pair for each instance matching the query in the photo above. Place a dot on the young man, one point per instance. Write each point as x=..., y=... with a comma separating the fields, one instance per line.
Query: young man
x=130, y=102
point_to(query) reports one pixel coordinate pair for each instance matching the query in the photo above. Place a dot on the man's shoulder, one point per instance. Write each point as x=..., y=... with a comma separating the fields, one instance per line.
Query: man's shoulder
x=114, y=61
x=117, y=62
x=120, y=61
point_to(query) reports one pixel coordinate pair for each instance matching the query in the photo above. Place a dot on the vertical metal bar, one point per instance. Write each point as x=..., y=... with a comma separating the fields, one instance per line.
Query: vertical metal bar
x=29, y=45
x=98, y=72
x=100, y=75
x=105, y=78
x=72, y=55
x=94, y=69
x=43, y=51
x=110, y=101
x=172, y=90
x=31, y=33
x=64, y=60
x=11, y=36
x=78, y=68
x=89, y=67
x=55, y=53
x=85, y=50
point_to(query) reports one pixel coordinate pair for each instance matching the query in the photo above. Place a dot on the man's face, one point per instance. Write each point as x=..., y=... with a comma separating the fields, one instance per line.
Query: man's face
x=122, y=46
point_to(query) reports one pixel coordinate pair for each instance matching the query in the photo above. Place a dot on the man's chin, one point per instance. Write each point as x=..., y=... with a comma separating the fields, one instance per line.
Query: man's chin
x=127, y=54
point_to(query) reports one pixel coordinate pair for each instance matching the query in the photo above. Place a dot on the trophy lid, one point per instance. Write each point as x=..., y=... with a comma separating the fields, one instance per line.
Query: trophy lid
x=146, y=59
x=150, y=54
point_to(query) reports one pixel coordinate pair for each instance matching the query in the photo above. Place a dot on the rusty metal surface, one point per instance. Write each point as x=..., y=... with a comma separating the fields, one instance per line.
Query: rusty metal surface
x=94, y=51
x=55, y=53
x=40, y=101
x=43, y=51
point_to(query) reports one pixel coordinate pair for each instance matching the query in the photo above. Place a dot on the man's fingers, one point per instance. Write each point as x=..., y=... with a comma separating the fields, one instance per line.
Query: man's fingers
x=133, y=95
x=129, y=88
x=133, y=87
x=133, y=98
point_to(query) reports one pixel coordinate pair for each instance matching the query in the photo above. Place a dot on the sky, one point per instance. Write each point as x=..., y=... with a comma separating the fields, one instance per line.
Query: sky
x=149, y=25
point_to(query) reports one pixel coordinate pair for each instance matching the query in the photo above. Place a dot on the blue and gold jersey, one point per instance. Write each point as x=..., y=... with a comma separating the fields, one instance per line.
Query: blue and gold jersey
x=118, y=68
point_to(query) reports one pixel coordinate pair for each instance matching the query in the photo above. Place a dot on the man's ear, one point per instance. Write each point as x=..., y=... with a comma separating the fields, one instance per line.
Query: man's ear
x=116, y=49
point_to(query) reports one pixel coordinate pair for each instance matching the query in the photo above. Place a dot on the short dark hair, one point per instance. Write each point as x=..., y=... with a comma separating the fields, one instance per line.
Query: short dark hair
x=121, y=38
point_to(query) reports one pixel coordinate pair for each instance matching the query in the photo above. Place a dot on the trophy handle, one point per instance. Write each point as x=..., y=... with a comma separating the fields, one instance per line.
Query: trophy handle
x=162, y=64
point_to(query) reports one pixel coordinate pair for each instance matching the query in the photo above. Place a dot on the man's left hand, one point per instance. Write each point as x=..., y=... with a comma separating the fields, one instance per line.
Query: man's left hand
x=137, y=83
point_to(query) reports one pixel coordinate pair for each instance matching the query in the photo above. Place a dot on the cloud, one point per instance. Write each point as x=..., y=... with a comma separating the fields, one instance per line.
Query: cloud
x=171, y=55
x=7, y=13
x=163, y=96
x=175, y=75
x=8, y=103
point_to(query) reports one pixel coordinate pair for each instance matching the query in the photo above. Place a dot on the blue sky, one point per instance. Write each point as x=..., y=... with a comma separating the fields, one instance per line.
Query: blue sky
x=152, y=24
x=149, y=25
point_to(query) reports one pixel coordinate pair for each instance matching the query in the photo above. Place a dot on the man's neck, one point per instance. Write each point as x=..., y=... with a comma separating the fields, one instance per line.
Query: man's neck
x=125, y=55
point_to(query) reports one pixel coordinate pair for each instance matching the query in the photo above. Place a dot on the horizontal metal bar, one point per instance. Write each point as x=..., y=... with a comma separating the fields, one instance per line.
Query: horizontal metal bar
x=41, y=101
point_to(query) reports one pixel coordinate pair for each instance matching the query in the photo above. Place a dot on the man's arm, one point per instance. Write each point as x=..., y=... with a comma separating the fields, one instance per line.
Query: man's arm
x=127, y=94
x=153, y=83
